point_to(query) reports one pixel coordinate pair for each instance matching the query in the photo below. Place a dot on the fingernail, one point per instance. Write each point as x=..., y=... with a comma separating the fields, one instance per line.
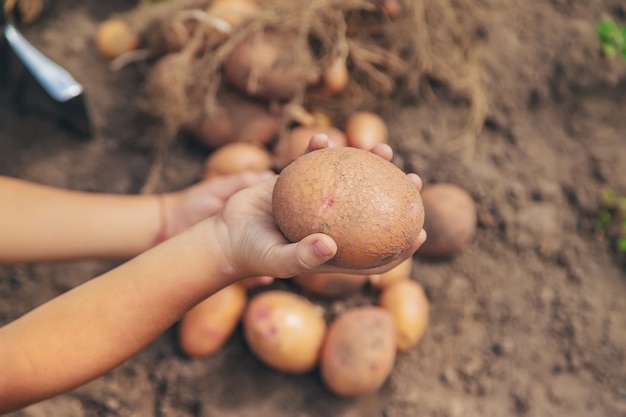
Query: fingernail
x=321, y=249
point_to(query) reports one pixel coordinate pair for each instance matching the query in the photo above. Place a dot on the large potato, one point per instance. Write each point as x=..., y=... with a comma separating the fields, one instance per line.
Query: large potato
x=359, y=351
x=205, y=328
x=364, y=202
x=450, y=219
x=331, y=284
x=284, y=330
x=407, y=303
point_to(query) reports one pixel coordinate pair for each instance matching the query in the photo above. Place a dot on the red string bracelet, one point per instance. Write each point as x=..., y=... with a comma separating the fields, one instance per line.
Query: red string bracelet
x=162, y=236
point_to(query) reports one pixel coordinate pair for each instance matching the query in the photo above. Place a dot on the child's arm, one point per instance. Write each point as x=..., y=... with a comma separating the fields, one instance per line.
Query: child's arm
x=41, y=223
x=96, y=326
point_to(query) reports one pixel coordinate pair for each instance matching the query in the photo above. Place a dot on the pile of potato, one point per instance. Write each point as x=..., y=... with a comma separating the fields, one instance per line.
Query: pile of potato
x=259, y=126
x=355, y=352
x=363, y=130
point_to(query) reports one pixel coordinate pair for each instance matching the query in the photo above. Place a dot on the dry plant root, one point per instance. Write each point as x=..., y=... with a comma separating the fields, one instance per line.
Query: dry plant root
x=330, y=56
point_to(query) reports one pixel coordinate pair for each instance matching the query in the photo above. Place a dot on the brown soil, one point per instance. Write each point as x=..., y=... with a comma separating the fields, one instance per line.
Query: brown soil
x=530, y=320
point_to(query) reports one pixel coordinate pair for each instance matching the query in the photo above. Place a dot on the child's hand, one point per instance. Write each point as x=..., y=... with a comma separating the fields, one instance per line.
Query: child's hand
x=254, y=246
x=190, y=206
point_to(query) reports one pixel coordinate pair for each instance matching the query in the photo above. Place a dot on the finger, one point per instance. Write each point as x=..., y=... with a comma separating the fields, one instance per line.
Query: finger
x=416, y=180
x=225, y=186
x=383, y=150
x=302, y=256
x=318, y=141
x=421, y=238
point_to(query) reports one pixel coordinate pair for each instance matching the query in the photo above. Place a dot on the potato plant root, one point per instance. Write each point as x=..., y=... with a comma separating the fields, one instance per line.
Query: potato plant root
x=389, y=56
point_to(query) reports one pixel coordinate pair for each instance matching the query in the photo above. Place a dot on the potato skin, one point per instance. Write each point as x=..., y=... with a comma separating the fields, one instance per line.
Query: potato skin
x=205, y=328
x=450, y=220
x=284, y=330
x=359, y=351
x=364, y=202
x=407, y=303
x=330, y=284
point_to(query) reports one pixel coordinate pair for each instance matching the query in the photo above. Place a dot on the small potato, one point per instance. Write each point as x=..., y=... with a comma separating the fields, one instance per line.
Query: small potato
x=237, y=120
x=30, y=10
x=294, y=144
x=330, y=284
x=407, y=303
x=270, y=66
x=115, y=37
x=365, y=129
x=359, y=351
x=450, y=220
x=335, y=78
x=284, y=330
x=392, y=8
x=176, y=33
x=158, y=84
x=322, y=119
x=205, y=328
x=234, y=12
x=237, y=157
x=400, y=272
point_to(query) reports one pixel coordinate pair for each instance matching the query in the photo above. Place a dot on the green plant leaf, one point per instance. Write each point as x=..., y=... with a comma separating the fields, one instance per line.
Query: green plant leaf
x=612, y=38
x=621, y=244
x=610, y=51
x=604, y=218
x=606, y=28
x=608, y=198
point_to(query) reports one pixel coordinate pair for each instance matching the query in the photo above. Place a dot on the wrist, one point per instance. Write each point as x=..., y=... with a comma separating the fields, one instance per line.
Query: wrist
x=216, y=240
x=171, y=221
x=196, y=260
x=163, y=230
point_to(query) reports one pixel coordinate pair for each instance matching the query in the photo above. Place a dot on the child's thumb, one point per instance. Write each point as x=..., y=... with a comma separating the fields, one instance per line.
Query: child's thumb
x=309, y=253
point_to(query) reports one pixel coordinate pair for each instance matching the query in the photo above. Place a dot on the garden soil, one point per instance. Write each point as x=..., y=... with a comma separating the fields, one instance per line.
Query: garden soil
x=529, y=320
